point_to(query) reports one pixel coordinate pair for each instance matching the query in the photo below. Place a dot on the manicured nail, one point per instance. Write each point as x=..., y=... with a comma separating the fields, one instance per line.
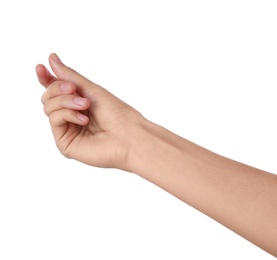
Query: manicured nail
x=65, y=87
x=82, y=117
x=56, y=58
x=79, y=101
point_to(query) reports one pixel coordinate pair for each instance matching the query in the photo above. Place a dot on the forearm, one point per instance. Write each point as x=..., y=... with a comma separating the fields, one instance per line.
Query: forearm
x=242, y=198
x=109, y=133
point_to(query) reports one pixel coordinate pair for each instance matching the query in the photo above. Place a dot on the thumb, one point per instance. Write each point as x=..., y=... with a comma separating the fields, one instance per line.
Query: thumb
x=63, y=72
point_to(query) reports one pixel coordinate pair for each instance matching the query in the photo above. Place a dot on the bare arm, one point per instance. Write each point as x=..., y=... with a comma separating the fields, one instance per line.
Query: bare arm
x=242, y=198
x=91, y=125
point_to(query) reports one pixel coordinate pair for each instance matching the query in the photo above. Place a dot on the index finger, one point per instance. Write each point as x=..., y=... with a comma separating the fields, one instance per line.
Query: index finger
x=45, y=77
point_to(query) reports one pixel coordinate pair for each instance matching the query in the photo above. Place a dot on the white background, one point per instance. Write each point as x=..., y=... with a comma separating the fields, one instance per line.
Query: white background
x=204, y=69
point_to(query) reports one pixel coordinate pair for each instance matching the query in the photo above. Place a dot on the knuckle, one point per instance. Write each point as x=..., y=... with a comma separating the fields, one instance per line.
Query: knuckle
x=42, y=99
x=53, y=88
x=67, y=73
x=53, y=117
x=63, y=147
x=63, y=101
x=64, y=151
x=46, y=110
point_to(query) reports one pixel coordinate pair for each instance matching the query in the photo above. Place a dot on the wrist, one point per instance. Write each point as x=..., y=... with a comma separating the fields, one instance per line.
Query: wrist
x=152, y=148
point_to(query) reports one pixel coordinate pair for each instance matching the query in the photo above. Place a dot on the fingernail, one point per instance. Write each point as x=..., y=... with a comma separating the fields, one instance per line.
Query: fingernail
x=56, y=58
x=82, y=117
x=65, y=87
x=79, y=101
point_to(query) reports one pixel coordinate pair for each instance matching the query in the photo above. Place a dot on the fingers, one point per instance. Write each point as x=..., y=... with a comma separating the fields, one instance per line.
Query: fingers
x=61, y=111
x=62, y=104
x=67, y=101
x=45, y=78
x=85, y=87
x=65, y=73
x=60, y=118
x=58, y=88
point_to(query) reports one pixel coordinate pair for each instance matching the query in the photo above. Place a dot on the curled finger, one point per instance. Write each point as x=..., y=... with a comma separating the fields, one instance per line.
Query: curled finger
x=57, y=88
x=70, y=101
x=62, y=117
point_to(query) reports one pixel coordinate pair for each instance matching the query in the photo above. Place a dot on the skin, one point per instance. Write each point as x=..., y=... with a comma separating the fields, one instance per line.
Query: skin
x=93, y=126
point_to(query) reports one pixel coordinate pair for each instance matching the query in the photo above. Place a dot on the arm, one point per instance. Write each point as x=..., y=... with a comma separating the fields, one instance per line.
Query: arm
x=242, y=198
x=91, y=125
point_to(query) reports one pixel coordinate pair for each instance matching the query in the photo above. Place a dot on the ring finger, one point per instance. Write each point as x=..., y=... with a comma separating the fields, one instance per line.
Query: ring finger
x=70, y=101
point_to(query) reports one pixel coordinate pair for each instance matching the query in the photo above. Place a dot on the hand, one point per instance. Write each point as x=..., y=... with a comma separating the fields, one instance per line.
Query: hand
x=93, y=126
x=89, y=124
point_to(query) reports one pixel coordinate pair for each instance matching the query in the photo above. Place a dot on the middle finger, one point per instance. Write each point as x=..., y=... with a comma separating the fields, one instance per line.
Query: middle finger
x=58, y=88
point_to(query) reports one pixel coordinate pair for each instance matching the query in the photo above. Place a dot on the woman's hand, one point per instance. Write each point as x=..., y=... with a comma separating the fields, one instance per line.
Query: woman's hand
x=89, y=124
x=93, y=126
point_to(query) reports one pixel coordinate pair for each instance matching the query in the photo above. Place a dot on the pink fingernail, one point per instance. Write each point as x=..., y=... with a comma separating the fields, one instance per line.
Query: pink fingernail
x=79, y=101
x=65, y=87
x=56, y=58
x=82, y=117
